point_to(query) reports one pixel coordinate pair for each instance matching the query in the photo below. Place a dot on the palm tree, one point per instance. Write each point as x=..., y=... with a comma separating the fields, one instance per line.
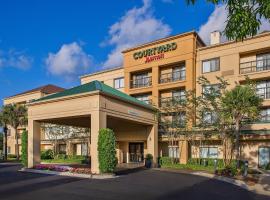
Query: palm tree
x=241, y=104
x=15, y=116
x=3, y=124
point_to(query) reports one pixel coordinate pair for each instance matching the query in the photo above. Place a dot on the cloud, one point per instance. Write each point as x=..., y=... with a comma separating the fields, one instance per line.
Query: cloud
x=137, y=26
x=217, y=21
x=69, y=62
x=16, y=59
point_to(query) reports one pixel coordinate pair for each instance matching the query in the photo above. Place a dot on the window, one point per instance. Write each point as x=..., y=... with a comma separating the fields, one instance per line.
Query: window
x=141, y=80
x=179, y=119
x=208, y=152
x=263, y=89
x=8, y=149
x=208, y=89
x=173, y=151
x=264, y=156
x=62, y=148
x=119, y=83
x=263, y=61
x=210, y=65
x=209, y=117
x=179, y=73
x=84, y=149
x=144, y=98
x=179, y=94
x=265, y=115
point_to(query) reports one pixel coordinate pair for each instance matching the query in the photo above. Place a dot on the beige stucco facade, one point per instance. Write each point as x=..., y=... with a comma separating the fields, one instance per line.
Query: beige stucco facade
x=236, y=61
x=108, y=77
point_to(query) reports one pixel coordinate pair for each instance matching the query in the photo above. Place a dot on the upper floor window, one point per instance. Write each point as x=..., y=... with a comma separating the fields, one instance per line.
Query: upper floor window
x=119, y=83
x=263, y=89
x=210, y=65
x=179, y=119
x=265, y=115
x=179, y=73
x=179, y=94
x=209, y=89
x=209, y=118
x=144, y=98
x=141, y=80
x=263, y=61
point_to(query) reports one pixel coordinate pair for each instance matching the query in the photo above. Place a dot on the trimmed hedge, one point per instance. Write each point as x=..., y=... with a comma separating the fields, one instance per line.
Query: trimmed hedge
x=106, y=151
x=24, y=156
x=199, y=161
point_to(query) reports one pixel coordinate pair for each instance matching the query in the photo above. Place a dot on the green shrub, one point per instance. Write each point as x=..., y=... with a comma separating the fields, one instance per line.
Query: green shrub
x=47, y=154
x=149, y=156
x=11, y=156
x=106, y=151
x=60, y=156
x=163, y=161
x=24, y=155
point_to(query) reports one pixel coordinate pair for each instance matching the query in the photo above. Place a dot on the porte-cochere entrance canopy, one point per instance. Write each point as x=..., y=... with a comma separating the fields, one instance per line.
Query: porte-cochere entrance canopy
x=97, y=106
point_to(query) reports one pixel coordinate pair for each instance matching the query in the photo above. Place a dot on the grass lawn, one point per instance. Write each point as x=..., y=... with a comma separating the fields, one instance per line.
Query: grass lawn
x=189, y=167
x=65, y=161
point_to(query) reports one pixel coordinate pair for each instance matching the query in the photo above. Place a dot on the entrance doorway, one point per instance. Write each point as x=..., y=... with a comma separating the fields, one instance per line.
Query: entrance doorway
x=136, y=151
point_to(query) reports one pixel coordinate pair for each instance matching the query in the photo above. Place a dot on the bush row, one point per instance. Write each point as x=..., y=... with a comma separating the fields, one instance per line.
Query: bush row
x=49, y=154
x=199, y=161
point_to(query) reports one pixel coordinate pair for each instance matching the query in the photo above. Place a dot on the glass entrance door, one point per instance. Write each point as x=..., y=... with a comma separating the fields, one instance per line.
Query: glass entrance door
x=136, y=151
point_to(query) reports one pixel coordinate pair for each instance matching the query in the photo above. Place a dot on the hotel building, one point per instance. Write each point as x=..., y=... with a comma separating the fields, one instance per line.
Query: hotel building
x=154, y=73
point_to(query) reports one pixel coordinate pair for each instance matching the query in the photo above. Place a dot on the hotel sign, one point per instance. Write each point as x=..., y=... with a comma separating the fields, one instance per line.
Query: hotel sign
x=155, y=53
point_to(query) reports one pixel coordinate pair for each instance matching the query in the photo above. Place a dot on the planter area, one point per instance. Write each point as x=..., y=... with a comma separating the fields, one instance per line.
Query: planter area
x=208, y=166
x=62, y=170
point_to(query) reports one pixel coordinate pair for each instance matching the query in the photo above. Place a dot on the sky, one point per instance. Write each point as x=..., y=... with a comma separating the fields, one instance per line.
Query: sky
x=56, y=41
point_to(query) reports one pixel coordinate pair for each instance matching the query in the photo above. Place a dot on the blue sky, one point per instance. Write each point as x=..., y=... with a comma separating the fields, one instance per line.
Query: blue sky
x=55, y=41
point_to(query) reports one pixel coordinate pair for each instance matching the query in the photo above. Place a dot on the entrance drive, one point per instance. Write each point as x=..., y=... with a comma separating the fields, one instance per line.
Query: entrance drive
x=136, y=151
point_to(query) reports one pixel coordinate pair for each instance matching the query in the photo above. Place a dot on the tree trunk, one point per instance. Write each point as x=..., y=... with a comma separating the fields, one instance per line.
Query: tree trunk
x=17, y=144
x=5, y=143
x=237, y=143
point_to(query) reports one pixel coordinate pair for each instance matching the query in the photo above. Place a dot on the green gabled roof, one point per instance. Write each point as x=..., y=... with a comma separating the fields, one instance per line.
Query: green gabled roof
x=91, y=87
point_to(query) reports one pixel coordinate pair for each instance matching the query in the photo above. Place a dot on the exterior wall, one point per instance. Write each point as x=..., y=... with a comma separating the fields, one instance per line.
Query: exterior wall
x=107, y=77
x=232, y=55
x=22, y=99
x=184, y=53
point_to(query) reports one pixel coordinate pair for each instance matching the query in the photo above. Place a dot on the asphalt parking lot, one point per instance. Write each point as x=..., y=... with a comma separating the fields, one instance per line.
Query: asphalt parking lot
x=145, y=184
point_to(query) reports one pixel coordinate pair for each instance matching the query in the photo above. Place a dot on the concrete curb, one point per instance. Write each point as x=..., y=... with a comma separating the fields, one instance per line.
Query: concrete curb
x=87, y=176
x=257, y=188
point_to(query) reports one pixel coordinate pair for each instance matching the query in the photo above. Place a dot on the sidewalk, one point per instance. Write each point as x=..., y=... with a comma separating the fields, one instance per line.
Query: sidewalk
x=262, y=187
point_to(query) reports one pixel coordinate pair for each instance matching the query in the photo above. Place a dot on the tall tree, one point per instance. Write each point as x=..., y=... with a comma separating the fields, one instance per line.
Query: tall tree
x=3, y=123
x=239, y=105
x=244, y=16
x=15, y=116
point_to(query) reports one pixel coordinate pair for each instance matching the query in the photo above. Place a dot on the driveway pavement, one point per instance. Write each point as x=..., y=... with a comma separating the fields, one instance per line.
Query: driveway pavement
x=146, y=184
